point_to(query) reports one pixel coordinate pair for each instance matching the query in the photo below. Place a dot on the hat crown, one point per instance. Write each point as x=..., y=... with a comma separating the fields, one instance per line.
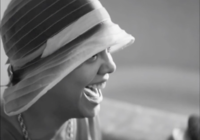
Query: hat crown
x=28, y=24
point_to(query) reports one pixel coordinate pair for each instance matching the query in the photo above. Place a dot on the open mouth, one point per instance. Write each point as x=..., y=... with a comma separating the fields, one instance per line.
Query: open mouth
x=93, y=92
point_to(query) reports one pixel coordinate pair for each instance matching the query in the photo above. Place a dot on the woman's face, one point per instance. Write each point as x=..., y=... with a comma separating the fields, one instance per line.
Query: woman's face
x=81, y=89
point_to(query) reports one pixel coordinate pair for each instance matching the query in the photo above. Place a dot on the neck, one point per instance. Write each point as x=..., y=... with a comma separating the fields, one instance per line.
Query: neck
x=43, y=122
x=41, y=127
x=45, y=117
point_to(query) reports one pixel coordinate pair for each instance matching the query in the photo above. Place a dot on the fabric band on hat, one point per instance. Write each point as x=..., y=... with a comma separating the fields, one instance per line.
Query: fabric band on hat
x=70, y=33
x=65, y=36
x=73, y=49
x=34, y=23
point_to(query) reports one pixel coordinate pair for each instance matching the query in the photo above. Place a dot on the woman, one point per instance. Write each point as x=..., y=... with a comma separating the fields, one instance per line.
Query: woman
x=59, y=60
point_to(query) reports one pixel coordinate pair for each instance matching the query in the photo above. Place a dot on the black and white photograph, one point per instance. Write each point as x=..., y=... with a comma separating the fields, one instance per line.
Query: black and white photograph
x=100, y=70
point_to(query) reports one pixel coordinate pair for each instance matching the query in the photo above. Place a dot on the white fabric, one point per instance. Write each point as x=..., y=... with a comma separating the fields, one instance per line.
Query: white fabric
x=76, y=29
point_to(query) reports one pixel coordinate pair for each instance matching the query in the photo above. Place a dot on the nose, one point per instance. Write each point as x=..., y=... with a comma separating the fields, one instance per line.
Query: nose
x=108, y=65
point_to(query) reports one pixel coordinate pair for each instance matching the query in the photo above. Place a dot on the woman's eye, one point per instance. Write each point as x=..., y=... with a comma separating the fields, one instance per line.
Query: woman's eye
x=93, y=58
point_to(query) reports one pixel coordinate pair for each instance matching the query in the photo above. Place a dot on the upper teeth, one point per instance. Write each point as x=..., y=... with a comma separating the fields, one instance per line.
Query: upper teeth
x=99, y=86
x=93, y=86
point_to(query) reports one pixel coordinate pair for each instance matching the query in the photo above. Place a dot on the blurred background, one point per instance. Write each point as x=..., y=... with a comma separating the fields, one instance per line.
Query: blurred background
x=161, y=69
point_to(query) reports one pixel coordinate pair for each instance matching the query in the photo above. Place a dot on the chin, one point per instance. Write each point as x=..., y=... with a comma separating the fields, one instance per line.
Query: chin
x=89, y=112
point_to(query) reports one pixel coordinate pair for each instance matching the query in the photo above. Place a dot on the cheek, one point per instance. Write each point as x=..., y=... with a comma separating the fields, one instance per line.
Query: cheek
x=85, y=76
x=85, y=79
x=68, y=90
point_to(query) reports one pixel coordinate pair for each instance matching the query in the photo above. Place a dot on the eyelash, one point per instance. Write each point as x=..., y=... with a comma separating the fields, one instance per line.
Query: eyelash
x=93, y=58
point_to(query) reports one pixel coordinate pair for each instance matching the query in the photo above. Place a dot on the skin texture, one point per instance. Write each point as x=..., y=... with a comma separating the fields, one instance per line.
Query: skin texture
x=66, y=100
x=94, y=70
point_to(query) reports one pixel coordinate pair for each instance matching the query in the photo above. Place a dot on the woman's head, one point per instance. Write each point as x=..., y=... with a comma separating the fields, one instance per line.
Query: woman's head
x=80, y=91
x=50, y=43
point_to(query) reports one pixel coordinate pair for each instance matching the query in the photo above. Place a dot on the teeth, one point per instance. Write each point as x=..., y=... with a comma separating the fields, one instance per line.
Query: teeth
x=91, y=94
x=94, y=91
x=92, y=86
x=99, y=86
